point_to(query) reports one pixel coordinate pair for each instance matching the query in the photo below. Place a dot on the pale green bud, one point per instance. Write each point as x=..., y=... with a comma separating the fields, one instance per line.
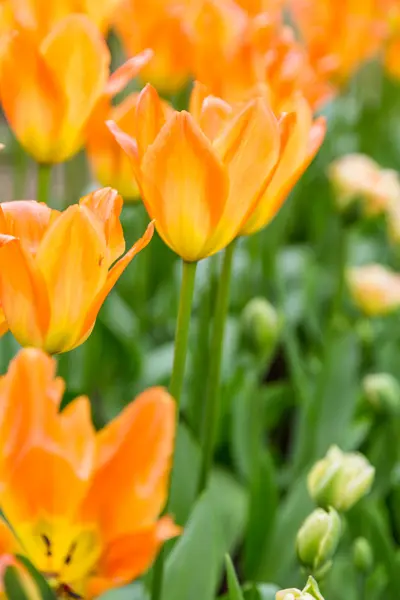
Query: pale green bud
x=363, y=557
x=310, y=592
x=382, y=392
x=340, y=479
x=261, y=325
x=318, y=538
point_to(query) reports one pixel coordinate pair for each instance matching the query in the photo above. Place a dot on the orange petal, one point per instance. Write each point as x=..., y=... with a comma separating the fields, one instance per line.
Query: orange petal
x=128, y=71
x=301, y=142
x=23, y=295
x=112, y=278
x=149, y=119
x=31, y=97
x=106, y=204
x=79, y=435
x=73, y=258
x=198, y=95
x=249, y=147
x=27, y=220
x=184, y=186
x=78, y=56
x=3, y=323
x=127, y=143
x=214, y=114
x=129, y=556
x=134, y=459
x=8, y=543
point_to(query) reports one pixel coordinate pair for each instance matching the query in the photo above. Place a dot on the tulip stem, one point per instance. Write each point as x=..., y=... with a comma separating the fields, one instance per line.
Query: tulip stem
x=43, y=182
x=213, y=397
x=176, y=384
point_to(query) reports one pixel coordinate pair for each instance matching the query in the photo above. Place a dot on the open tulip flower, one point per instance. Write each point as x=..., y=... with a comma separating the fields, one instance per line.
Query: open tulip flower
x=210, y=174
x=84, y=506
x=50, y=88
x=56, y=269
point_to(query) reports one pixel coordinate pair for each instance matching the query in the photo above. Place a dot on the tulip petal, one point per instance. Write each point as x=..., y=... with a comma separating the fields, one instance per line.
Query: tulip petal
x=214, y=114
x=127, y=143
x=73, y=259
x=32, y=100
x=184, y=186
x=112, y=278
x=79, y=435
x=149, y=119
x=129, y=556
x=250, y=149
x=128, y=71
x=106, y=204
x=134, y=458
x=23, y=295
x=27, y=220
x=3, y=323
x=78, y=56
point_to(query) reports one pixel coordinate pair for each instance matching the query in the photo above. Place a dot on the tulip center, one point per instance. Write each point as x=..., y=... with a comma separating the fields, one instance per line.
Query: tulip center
x=66, y=554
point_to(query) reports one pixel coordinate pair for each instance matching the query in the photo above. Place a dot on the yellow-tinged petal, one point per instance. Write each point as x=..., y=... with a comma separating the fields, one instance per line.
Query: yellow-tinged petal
x=106, y=204
x=3, y=323
x=26, y=220
x=214, y=114
x=113, y=275
x=249, y=147
x=23, y=295
x=134, y=458
x=79, y=59
x=128, y=71
x=184, y=186
x=127, y=143
x=79, y=435
x=301, y=140
x=73, y=258
x=150, y=117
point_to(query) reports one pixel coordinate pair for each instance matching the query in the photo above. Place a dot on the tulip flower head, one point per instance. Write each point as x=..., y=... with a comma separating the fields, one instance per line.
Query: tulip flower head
x=56, y=269
x=374, y=289
x=84, y=505
x=49, y=89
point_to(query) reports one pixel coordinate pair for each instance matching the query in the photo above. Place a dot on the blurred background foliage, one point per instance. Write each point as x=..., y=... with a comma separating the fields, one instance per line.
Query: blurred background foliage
x=284, y=403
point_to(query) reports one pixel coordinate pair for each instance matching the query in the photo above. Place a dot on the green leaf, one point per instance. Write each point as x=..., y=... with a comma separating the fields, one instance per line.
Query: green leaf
x=235, y=592
x=135, y=591
x=46, y=592
x=13, y=586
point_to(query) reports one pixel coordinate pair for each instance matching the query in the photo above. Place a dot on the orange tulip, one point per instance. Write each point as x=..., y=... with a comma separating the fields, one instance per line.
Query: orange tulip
x=374, y=289
x=84, y=505
x=56, y=269
x=301, y=139
x=50, y=89
x=160, y=25
x=340, y=36
x=201, y=173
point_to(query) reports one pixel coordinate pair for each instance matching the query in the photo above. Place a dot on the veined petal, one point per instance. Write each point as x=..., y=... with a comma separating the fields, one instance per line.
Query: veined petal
x=106, y=204
x=129, y=556
x=184, y=186
x=32, y=100
x=249, y=147
x=73, y=259
x=113, y=275
x=301, y=141
x=128, y=71
x=150, y=117
x=134, y=458
x=79, y=59
x=23, y=295
x=27, y=220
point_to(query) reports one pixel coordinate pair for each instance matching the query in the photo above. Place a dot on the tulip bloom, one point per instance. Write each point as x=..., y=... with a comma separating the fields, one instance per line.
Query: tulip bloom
x=56, y=269
x=83, y=505
x=201, y=173
x=50, y=89
x=374, y=289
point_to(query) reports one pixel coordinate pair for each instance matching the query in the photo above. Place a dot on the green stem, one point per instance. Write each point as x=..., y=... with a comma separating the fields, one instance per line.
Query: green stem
x=43, y=183
x=176, y=383
x=213, y=398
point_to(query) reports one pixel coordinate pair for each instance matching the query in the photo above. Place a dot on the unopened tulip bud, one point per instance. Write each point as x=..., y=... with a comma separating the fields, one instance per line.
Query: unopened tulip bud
x=310, y=592
x=260, y=325
x=374, y=289
x=363, y=557
x=318, y=539
x=382, y=392
x=340, y=479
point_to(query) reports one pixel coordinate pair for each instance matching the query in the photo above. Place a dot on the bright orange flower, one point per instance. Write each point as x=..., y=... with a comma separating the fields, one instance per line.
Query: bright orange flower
x=160, y=25
x=56, y=269
x=391, y=58
x=49, y=90
x=84, y=505
x=340, y=36
x=301, y=139
x=201, y=173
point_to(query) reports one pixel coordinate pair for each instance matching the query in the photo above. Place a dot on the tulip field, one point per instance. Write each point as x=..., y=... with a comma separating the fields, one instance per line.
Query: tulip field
x=200, y=300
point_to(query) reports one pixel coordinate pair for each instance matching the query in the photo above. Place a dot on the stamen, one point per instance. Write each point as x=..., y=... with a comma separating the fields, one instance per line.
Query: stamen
x=47, y=544
x=68, y=558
